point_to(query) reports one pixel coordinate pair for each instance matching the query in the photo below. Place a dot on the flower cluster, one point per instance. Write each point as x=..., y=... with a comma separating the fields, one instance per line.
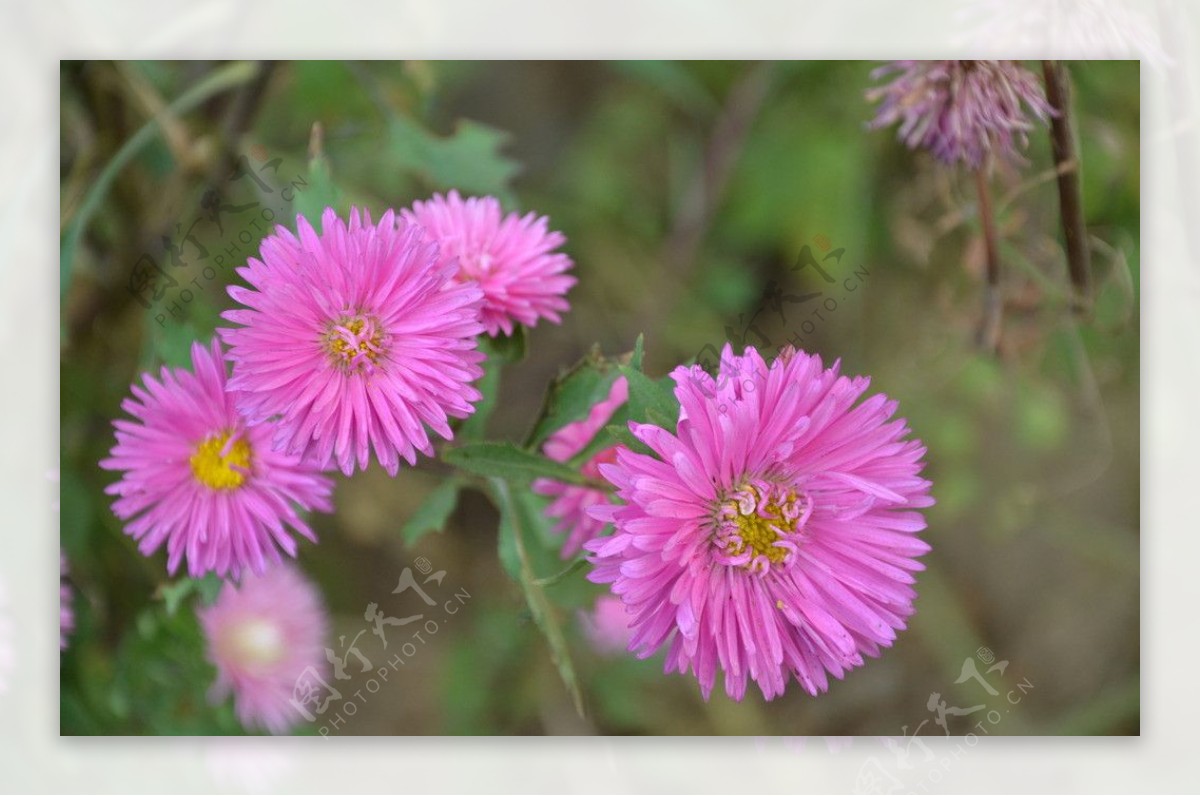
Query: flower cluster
x=960, y=111
x=770, y=532
x=358, y=338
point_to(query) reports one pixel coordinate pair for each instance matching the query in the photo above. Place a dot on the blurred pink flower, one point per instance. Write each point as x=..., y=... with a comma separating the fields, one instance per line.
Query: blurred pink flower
x=773, y=532
x=197, y=479
x=571, y=502
x=511, y=258
x=355, y=338
x=263, y=635
x=607, y=625
x=961, y=111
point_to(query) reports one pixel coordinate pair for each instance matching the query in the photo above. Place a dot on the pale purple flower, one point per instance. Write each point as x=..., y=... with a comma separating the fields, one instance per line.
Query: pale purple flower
x=264, y=635
x=571, y=502
x=511, y=257
x=66, y=613
x=773, y=533
x=197, y=479
x=606, y=626
x=960, y=111
x=356, y=338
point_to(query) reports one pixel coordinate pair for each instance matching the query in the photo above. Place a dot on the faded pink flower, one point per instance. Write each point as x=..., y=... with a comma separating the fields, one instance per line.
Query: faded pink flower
x=357, y=338
x=197, y=479
x=263, y=635
x=960, y=110
x=511, y=258
x=571, y=502
x=773, y=532
x=607, y=625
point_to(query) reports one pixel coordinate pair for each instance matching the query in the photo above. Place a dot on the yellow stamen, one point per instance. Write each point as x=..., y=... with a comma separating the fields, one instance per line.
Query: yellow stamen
x=219, y=467
x=760, y=526
x=354, y=341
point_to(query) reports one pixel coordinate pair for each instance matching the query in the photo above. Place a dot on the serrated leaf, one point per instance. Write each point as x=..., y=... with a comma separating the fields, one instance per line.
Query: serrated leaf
x=505, y=460
x=572, y=395
x=469, y=160
x=433, y=512
x=321, y=192
x=648, y=398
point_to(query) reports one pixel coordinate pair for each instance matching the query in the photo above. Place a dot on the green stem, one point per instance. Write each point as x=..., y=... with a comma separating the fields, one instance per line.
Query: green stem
x=559, y=577
x=535, y=596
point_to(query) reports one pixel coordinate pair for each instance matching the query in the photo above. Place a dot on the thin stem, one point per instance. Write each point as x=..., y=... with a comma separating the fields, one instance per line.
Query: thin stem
x=224, y=79
x=989, y=331
x=1058, y=93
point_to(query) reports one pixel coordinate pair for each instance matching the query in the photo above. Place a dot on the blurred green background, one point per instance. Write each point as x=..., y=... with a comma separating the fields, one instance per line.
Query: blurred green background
x=686, y=191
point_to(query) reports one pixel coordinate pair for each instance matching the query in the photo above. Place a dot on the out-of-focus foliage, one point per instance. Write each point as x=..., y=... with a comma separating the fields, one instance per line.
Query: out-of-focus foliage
x=688, y=192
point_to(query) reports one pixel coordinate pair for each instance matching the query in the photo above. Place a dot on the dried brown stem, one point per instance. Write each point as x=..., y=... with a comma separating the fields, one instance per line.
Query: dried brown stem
x=1070, y=200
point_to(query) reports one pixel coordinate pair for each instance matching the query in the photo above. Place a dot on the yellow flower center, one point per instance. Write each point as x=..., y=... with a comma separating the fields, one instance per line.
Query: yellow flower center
x=221, y=462
x=354, y=343
x=759, y=526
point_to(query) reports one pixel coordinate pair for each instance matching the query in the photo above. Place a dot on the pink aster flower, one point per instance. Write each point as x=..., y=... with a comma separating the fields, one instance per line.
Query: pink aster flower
x=960, y=110
x=263, y=636
x=66, y=614
x=607, y=625
x=354, y=338
x=511, y=258
x=773, y=532
x=196, y=478
x=571, y=502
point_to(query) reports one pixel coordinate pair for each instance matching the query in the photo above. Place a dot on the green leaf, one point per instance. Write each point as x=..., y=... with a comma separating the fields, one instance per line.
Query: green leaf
x=176, y=593
x=572, y=395
x=433, y=512
x=469, y=160
x=321, y=192
x=518, y=515
x=621, y=435
x=651, y=401
x=638, y=353
x=505, y=460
